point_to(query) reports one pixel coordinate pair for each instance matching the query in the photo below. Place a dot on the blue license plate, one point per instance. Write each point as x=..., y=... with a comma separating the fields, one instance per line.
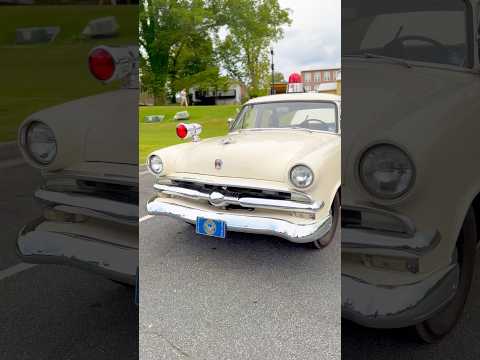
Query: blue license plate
x=210, y=227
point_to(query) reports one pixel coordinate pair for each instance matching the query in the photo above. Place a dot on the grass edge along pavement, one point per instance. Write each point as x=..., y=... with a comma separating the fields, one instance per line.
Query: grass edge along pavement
x=154, y=136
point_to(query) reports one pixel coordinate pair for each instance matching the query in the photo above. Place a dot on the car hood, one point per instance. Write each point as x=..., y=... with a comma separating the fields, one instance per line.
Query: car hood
x=109, y=137
x=251, y=154
x=94, y=129
x=394, y=103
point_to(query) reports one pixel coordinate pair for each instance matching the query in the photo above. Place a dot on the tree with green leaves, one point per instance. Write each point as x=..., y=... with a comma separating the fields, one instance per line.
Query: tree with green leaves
x=252, y=26
x=178, y=52
x=196, y=66
x=175, y=44
x=278, y=77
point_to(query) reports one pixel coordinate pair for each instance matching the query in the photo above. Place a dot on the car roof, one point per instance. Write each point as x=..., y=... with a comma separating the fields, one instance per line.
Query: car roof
x=295, y=97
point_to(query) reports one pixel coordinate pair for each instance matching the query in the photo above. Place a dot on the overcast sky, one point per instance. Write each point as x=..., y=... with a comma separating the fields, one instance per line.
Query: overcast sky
x=314, y=38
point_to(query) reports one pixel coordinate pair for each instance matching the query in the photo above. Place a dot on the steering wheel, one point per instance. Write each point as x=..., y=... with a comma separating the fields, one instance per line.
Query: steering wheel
x=317, y=124
x=396, y=48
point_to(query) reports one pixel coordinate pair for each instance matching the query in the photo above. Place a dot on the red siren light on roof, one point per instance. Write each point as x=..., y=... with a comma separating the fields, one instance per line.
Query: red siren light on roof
x=295, y=83
x=295, y=78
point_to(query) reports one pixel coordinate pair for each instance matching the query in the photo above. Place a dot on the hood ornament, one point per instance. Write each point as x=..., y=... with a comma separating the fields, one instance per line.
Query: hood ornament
x=218, y=164
x=227, y=140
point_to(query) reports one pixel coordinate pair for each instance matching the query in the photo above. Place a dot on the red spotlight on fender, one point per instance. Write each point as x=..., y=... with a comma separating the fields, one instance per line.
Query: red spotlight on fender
x=102, y=64
x=185, y=131
x=109, y=63
x=182, y=131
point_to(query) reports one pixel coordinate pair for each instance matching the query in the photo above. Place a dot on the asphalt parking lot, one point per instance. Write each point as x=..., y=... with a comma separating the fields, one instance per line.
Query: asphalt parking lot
x=242, y=298
x=246, y=297
x=55, y=312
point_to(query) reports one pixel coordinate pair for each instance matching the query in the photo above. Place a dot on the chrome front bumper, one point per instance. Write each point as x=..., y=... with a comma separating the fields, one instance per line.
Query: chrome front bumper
x=392, y=305
x=397, y=306
x=105, y=241
x=298, y=233
x=113, y=260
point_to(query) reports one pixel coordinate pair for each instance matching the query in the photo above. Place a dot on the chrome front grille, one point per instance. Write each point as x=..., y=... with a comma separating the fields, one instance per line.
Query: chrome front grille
x=234, y=191
x=234, y=197
x=109, y=191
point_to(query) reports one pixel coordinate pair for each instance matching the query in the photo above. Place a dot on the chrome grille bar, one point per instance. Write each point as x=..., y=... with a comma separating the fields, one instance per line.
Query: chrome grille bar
x=217, y=199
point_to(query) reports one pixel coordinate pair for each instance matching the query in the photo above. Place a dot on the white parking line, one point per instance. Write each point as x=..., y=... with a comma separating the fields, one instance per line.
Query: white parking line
x=15, y=270
x=145, y=218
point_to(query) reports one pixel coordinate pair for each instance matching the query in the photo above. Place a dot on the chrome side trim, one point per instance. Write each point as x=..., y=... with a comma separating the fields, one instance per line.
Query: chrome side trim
x=298, y=233
x=407, y=223
x=92, y=176
x=397, y=306
x=91, y=206
x=219, y=200
x=418, y=244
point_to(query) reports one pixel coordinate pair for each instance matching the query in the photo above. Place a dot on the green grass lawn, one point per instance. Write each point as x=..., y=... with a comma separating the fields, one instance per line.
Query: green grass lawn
x=158, y=135
x=35, y=77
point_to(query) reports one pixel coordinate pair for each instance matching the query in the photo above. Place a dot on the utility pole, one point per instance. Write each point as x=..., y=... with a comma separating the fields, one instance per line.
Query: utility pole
x=272, y=90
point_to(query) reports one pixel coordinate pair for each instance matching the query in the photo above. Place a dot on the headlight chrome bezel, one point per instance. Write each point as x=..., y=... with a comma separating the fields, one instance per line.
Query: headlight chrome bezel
x=26, y=144
x=150, y=168
x=290, y=177
x=366, y=188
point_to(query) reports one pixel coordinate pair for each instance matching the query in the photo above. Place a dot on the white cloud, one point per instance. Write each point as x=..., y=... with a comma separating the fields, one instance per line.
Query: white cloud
x=314, y=38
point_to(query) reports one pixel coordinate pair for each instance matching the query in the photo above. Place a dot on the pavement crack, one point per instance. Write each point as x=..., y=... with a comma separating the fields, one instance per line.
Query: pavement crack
x=174, y=347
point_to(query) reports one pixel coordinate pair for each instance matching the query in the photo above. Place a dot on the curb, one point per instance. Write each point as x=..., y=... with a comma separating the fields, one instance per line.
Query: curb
x=9, y=150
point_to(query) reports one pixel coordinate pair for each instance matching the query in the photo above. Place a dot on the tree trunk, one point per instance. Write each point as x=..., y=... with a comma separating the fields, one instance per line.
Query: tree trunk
x=159, y=95
x=159, y=98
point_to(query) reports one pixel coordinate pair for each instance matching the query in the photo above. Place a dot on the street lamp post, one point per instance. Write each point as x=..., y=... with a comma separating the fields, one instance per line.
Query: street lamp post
x=272, y=90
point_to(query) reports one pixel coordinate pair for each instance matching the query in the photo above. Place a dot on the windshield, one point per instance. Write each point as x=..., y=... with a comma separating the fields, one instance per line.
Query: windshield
x=433, y=31
x=312, y=115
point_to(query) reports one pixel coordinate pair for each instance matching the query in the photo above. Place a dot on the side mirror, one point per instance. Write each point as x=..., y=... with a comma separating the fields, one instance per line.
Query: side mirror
x=230, y=122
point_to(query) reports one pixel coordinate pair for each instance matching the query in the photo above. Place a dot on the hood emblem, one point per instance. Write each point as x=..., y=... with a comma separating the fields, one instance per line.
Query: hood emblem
x=218, y=164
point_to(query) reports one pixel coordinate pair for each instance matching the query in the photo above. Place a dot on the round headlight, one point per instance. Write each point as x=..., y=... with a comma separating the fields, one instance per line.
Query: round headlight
x=301, y=176
x=155, y=164
x=386, y=171
x=40, y=143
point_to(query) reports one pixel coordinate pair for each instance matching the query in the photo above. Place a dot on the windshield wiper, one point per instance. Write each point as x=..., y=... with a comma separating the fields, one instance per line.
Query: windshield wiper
x=382, y=57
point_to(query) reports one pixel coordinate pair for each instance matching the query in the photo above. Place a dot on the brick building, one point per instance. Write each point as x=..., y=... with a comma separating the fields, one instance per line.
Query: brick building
x=322, y=79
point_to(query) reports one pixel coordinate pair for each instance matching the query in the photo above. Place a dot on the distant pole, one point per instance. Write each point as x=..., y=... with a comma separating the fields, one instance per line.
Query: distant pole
x=272, y=90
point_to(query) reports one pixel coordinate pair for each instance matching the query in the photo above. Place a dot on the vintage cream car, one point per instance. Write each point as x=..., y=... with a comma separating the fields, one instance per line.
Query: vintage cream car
x=410, y=163
x=277, y=172
x=87, y=154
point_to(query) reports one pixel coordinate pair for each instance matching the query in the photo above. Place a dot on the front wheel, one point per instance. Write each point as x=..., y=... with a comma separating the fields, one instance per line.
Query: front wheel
x=438, y=326
x=327, y=238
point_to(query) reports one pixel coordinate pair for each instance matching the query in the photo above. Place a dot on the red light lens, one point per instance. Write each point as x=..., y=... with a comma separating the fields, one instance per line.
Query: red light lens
x=101, y=64
x=182, y=131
